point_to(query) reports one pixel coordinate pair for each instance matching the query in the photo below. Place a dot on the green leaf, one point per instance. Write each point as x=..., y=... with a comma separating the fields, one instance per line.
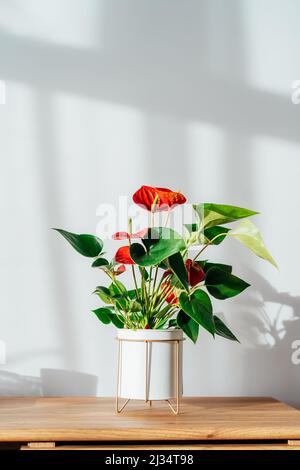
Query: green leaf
x=178, y=267
x=223, y=330
x=199, y=308
x=188, y=325
x=172, y=323
x=132, y=294
x=103, y=314
x=191, y=227
x=86, y=245
x=222, y=285
x=168, y=243
x=211, y=215
x=247, y=233
x=104, y=294
x=212, y=232
x=207, y=265
x=144, y=273
x=99, y=263
x=116, y=320
x=116, y=288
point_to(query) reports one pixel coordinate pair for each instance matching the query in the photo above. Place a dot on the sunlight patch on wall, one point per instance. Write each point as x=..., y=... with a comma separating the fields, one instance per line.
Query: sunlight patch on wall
x=73, y=23
x=271, y=29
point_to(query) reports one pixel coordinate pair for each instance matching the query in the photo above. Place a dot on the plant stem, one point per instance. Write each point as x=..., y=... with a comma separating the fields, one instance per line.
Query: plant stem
x=208, y=244
x=135, y=282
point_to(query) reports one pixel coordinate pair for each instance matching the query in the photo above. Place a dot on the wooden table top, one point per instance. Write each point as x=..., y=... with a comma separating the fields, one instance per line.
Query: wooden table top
x=94, y=419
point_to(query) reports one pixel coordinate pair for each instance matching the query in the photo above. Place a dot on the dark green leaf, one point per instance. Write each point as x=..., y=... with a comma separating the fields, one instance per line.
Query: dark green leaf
x=225, y=267
x=178, y=267
x=211, y=215
x=103, y=314
x=116, y=320
x=172, y=323
x=168, y=244
x=86, y=245
x=188, y=325
x=223, y=330
x=132, y=294
x=99, y=263
x=217, y=231
x=199, y=308
x=222, y=284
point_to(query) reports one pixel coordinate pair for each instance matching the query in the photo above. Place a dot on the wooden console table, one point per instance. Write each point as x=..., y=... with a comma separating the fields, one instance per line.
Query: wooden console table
x=203, y=423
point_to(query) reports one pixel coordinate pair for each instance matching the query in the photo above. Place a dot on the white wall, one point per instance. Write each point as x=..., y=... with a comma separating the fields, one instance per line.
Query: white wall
x=106, y=95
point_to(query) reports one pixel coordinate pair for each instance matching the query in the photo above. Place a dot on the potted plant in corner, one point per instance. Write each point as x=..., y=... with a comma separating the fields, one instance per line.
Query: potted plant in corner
x=171, y=291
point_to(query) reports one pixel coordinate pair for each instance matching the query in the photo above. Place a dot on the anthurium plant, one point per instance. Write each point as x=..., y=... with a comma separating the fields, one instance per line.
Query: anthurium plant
x=170, y=287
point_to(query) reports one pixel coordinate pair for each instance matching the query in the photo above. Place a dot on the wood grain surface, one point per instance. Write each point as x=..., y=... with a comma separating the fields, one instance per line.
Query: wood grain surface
x=94, y=419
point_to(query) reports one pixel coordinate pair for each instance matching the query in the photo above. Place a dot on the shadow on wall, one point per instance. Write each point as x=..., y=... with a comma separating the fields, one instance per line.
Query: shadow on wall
x=267, y=366
x=52, y=382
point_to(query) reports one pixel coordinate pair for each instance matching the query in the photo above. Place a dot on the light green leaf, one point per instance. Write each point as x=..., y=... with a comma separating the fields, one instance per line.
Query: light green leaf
x=247, y=233
x=211, y=215
x=85, y=244
x=104, y=294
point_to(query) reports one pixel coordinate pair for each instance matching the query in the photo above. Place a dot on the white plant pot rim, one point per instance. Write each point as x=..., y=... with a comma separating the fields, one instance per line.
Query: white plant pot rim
x=144, y=335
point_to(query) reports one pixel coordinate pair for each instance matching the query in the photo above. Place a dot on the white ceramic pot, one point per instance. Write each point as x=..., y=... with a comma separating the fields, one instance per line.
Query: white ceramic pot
x=150, y=364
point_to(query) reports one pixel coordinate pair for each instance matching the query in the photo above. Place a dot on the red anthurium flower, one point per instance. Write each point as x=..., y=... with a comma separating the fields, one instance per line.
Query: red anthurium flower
x=123, y=256
x=126, y=235
x=120, y=270
x=147, y=327
x=121, y=236
x=163, y=198
x=195, y=272
x=140, y=234
x=168, y=289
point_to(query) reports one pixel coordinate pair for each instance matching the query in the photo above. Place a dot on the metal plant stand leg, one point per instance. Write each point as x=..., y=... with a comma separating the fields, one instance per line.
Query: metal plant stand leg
x=176, y=410
x=119, y=371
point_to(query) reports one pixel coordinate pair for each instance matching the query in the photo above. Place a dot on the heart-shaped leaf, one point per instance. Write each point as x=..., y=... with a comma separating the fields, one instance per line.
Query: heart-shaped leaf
x=223, y=330
x=198, y=307
x=167, y=244
x=178, y=267
x=85, y=244
x=103, y=314
x=248, y=234
x=99, y=263
x=188, y=325
x=222, y=285
x=207, y=265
